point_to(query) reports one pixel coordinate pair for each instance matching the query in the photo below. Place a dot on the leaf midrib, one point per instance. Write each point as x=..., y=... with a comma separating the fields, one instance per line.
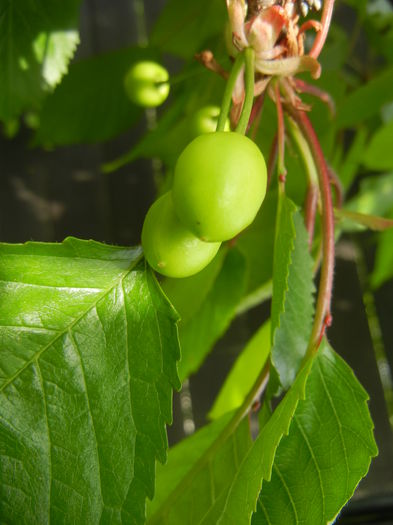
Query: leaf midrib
x=69, y=327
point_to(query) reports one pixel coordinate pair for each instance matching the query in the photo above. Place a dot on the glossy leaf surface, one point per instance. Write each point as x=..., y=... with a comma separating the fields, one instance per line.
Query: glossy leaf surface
x=327, y=451
x=88, y=363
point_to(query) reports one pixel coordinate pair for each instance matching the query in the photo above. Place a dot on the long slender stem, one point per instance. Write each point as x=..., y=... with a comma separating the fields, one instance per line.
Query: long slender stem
x=272, y=160
x=227, y=98
x=321, y=36
x=322, y=314
x=249, y=55
x=312, y=176
x=282, y=172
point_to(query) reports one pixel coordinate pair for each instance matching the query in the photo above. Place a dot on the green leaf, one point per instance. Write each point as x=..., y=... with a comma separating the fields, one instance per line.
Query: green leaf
x=348, y=169
x=383, y=269
x=222, y=479
x=198, y=472
x=257, y=244
x=241, y=499
x=184, y=27
x=326, y=453
x=88, y=361
x=244, y=373
x=91, y=104
x=379, y=152
x=207, y=314
x=38, y=40
x=365, y=101
x=350, y=221
x=166, y=141
x=293, y=289
x=375, y=196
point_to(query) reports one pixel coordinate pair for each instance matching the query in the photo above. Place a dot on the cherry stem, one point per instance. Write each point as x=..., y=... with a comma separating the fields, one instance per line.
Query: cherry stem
x=249, y=56
x=282, y=172
x=271, y=163
x=256, y=114
x=325, y=23
x=322, y=317
x=304, y=87
x=312, y=195
x=227, y=98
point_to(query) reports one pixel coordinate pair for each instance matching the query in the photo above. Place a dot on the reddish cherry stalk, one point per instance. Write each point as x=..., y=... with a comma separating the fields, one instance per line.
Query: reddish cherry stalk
x=322, y=315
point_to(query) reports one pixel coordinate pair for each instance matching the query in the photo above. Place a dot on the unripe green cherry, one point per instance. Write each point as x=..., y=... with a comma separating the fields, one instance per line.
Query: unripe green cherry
x=146, y=84
x=219, y=185
x=205, y=121
x=169, y=247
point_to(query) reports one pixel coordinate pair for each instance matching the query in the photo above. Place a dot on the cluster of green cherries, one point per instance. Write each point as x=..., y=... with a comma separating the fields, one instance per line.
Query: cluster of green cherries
x=218, y=187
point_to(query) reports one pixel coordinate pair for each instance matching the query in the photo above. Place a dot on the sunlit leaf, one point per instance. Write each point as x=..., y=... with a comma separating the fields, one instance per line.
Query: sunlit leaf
x=326, y=453
x=37, y=41
x=88, y=350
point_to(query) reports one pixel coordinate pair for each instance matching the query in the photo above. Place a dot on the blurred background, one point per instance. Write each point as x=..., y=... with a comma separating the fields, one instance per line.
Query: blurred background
x=50, y=191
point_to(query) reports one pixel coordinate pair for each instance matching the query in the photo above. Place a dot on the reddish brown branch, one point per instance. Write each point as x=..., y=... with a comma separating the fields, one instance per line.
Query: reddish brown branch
x=282, y=172
x=311, y=211
x=206, y=58
x=304, y=87
x=325, y=23
x=322, y=314
x=271, y=163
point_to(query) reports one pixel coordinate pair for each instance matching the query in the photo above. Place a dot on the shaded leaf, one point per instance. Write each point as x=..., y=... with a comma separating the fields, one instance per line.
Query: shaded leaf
x=374, y=197
x=327, y=451
x=198, y=472
x=166, y=141
x=383, y=269
x=88, y=361
x=256, y=243
x=365, y=101
x=348, y=169
x=293, y=288
x=202, y=327
x=91, y=103
x=37, y=41
x=243, y=373
x=183, y=27
x=379, y=152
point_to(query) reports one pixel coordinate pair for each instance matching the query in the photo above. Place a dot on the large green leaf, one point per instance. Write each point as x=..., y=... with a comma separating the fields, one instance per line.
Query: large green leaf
x=88, y=361
x=241, y=499
x=243, y=373
x=379, y=152
x=37, y=41
x=183, y=27
x=207, y=304
x=293, y=288
x=215, y=476
x=198, y=472
x=326, y=453
x=91, y=104
x=366, y=101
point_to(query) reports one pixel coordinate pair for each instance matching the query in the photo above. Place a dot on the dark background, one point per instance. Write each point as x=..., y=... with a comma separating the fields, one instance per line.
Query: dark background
x=48, y=195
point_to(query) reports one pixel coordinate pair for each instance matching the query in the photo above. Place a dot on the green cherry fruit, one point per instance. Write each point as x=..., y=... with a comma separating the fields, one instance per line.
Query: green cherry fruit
x=219, y=185
x=205, y=121
x=146, y=84
x=169, y=247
